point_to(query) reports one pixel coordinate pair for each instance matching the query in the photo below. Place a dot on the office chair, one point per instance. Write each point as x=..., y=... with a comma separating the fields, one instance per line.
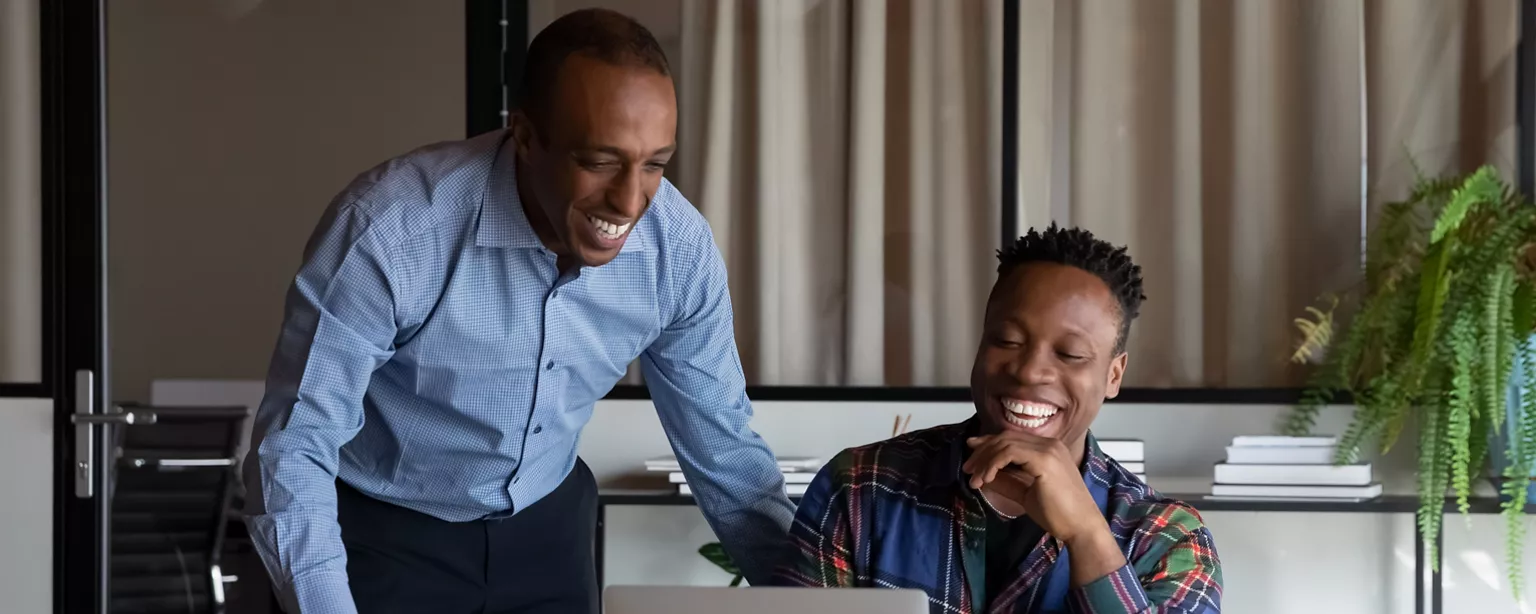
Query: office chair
x=171, y=491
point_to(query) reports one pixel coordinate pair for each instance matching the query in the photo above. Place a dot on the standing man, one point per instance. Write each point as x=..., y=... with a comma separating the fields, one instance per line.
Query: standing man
x=458, y=312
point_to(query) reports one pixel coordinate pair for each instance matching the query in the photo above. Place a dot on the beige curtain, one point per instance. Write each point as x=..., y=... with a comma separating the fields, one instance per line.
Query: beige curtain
x=21, y=205
x=1224, y=141
x=842, y=152
x=846, y=154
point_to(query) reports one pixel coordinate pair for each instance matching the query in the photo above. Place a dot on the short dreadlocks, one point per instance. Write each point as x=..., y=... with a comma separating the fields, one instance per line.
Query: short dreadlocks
x=1077, y=247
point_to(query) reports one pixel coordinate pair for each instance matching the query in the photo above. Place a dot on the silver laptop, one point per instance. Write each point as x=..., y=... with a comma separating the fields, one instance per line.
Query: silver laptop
x=763, y=600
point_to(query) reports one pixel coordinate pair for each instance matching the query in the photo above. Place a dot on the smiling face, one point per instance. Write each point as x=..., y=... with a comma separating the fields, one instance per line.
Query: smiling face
x=592, y=157
x=1047, y=358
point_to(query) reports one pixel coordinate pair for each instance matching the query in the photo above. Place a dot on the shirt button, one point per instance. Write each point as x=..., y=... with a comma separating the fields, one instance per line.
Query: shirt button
x=538, y=429
x=554, y=293
x=549, y=366
x=517, y=479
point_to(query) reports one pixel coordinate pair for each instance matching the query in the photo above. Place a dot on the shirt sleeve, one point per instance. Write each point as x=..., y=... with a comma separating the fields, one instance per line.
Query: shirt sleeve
x=1182, y=578
x=338, y=327
x=819, y=552
x=695, y=378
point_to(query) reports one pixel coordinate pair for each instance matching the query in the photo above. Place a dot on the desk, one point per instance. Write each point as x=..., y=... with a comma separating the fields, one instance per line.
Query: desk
x=1387, y=504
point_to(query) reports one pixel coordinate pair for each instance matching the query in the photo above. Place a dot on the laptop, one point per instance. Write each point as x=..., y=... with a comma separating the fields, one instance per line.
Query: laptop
x=761, y=600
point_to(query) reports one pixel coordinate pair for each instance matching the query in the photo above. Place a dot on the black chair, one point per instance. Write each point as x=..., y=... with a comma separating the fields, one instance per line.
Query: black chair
x=174, y=480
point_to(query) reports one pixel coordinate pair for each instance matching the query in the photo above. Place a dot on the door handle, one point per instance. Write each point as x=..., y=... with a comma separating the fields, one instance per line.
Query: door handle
x=119, y=417
x=85, y=420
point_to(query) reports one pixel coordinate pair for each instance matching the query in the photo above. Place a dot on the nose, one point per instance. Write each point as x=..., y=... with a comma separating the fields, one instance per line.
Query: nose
x=627, y=195
x=1036, y=366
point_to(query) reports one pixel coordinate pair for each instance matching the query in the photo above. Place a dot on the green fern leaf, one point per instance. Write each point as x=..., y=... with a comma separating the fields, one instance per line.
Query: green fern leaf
x=716, y=554
x=1434, y=286
x=1462, y=405
x=1483, y=186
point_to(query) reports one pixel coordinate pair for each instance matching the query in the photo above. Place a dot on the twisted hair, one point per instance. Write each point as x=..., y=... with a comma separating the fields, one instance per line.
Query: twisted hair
x=1078, y=248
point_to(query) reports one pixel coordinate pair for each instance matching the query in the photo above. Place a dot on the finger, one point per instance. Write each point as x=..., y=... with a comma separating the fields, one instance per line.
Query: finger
x=999, y=455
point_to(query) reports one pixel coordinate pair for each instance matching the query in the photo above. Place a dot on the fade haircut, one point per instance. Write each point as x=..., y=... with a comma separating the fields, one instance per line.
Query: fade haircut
x=602, y=34
x=1076, y=247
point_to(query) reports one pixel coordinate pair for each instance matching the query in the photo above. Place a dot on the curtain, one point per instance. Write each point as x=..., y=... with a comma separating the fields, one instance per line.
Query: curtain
x=841, y=151
x=1239, y=148
x=846, y=153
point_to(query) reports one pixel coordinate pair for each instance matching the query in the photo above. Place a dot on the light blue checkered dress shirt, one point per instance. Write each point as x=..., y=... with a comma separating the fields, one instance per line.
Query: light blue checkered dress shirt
x=432, y=356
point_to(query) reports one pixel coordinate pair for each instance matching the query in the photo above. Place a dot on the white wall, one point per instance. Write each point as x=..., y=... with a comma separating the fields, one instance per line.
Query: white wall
x=231, y=124
x=26, y=518
x=1272, y=562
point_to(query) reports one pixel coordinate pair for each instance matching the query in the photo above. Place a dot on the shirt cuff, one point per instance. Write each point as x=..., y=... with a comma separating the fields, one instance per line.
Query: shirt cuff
x=1117, y=593
x=321, y=592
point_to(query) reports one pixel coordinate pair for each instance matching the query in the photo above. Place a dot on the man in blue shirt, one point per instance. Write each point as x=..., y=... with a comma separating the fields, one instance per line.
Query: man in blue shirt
x=458, y=312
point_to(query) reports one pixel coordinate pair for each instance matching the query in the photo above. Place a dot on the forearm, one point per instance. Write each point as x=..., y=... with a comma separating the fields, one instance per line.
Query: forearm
x=291, y=516
x=321, y=588
x=1094, y=556
x=742, y=496
x=754, y=536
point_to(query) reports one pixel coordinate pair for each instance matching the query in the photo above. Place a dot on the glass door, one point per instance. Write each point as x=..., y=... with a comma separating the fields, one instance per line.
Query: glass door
x=52, y=309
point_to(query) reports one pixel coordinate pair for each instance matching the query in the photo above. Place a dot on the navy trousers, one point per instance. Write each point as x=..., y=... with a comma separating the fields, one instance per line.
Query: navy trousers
x=537, y=561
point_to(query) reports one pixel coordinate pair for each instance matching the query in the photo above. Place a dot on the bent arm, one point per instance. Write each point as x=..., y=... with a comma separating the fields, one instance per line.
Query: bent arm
x=338, y=327
x=695, y=378
x=1181, y=575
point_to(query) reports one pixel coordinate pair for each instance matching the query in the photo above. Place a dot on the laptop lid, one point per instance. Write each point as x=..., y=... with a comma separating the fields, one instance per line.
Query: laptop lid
x=761, y=600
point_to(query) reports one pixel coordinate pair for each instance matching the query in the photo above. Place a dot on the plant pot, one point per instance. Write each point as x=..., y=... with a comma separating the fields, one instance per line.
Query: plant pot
x=1505, y=439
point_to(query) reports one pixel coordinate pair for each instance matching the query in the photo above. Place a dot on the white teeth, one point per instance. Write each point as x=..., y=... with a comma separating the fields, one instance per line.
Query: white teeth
x=1028, y=423
x=1026, y=408
x=607, y=229
x=1028, y=414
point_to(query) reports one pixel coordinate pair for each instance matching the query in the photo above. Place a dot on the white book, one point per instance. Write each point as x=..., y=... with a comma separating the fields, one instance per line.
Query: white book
x=802, y=477
x=1281, y=441
x=787, y=464
x=1301, y=475
x=1330, y=493
x=1124, y=450
x=793, y=490
x=1280, y=455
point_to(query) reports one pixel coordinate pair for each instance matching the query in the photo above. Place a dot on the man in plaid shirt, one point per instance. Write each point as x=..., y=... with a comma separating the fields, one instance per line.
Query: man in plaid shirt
x=1016, y=509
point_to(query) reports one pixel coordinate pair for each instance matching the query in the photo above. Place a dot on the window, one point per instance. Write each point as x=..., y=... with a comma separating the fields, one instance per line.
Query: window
x=847, y=155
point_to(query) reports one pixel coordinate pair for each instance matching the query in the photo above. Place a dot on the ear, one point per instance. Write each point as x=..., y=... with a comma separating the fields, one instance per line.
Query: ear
x=1116, y=373
x=524, y=136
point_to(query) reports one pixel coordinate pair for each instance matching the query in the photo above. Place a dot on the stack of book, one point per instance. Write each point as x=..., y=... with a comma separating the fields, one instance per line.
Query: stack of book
x=798, y=472
x=1290, y=468
x=1130, y=453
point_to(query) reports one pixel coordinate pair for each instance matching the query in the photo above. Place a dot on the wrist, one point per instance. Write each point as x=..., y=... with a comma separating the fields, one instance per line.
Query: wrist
x=1093, y=533
x=1095, y=554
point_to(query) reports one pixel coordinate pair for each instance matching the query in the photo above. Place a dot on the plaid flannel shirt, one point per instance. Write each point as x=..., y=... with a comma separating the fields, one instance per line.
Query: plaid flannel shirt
x=897, y=514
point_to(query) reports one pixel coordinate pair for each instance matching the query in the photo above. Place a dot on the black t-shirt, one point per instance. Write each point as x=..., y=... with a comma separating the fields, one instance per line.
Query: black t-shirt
x=1008, y=542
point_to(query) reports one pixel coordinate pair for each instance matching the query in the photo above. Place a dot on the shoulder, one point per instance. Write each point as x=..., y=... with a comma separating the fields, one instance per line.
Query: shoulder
x=422, y=190
x=1148, y=520
x=903, y=463
x=678, y=230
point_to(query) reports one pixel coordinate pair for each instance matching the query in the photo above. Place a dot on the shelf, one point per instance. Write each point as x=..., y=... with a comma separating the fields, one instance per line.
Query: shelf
x=1386, y=504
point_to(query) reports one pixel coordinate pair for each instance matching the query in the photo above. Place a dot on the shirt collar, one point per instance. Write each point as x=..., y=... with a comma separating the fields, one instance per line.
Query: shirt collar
x=502, y=220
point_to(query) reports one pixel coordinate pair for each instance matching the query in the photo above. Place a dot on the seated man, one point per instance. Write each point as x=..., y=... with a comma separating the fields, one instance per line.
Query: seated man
x=1016, y=509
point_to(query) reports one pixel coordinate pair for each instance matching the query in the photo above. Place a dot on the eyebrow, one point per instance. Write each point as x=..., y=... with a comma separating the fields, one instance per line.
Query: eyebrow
x=614, y=151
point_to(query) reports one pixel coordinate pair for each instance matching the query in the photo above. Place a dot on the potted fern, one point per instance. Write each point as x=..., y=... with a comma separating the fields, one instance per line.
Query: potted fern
x=1441, y=339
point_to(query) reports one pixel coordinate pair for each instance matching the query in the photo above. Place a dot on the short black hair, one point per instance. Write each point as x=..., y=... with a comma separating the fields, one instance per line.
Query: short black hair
x=1077, y=247
x=603, y=34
